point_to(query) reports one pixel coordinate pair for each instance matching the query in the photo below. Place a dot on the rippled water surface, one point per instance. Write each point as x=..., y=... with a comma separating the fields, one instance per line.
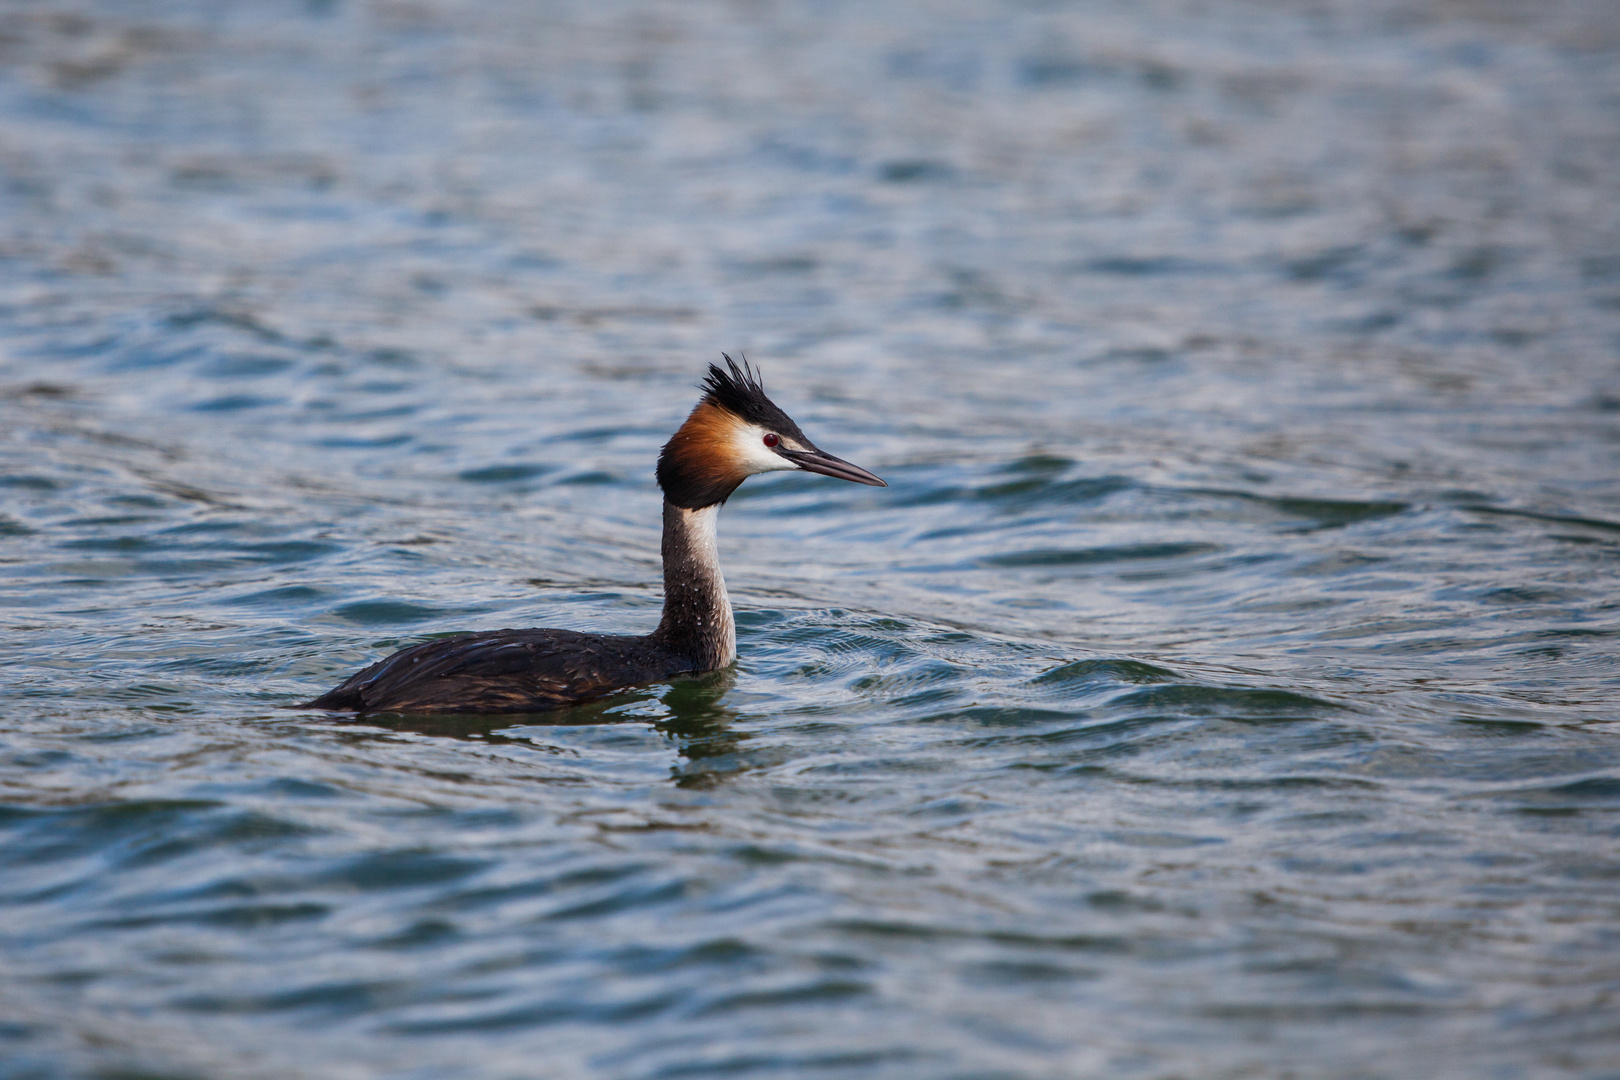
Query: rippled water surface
x=1225, y=686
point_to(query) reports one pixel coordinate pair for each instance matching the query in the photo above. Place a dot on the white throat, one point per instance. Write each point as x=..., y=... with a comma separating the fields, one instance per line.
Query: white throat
x=697, y=612
x=703, y=529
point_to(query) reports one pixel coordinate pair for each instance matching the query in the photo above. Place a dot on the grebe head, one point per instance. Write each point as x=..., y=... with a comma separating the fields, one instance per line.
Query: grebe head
x=734, y=433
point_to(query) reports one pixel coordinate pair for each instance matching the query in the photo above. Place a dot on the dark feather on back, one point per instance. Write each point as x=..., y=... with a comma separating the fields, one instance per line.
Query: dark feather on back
x=496, y=671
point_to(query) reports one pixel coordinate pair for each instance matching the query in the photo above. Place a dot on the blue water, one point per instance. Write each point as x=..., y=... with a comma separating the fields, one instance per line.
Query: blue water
x=1225, y=686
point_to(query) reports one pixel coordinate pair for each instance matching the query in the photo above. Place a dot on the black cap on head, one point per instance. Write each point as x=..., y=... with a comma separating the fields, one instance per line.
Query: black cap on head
x=740, y=392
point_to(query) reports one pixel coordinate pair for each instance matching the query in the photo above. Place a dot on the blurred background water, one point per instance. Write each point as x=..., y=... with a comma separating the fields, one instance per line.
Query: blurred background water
x=1224, y=688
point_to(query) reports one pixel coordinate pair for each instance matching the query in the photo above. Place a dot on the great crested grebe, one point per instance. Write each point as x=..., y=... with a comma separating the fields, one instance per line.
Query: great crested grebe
x=734, y=432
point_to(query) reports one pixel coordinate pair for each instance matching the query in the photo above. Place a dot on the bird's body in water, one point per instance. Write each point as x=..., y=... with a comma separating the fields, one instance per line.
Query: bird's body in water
x=734, y=432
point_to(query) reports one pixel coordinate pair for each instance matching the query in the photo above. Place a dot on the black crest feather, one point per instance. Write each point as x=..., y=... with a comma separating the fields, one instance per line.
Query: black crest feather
x=741, y=392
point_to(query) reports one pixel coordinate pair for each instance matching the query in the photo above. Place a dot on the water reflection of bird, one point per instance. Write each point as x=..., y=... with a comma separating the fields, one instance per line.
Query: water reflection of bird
x=734, y=432
x=691, y=714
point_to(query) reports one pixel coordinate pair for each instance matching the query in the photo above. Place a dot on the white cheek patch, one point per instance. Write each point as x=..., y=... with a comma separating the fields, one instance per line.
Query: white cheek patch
x=752, y=453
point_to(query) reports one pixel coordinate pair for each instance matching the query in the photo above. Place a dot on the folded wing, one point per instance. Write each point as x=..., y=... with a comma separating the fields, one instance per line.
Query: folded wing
x=501, y=671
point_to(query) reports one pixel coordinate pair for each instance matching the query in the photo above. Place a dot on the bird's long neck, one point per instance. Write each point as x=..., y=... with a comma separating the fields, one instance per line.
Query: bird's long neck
x=697, y=619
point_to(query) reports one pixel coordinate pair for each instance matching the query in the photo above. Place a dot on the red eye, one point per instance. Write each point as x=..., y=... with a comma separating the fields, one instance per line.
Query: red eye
x=771, y=439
